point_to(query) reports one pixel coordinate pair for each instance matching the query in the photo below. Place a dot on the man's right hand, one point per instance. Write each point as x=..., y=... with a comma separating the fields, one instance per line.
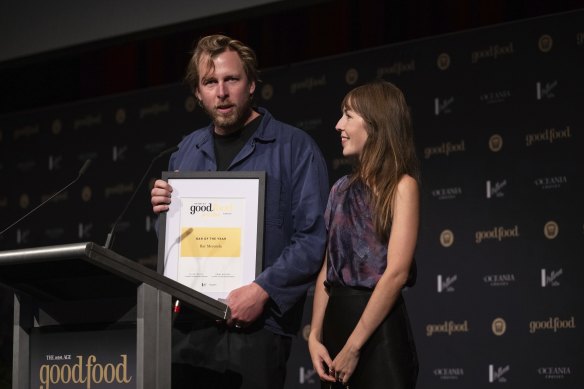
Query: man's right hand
x=160, y=196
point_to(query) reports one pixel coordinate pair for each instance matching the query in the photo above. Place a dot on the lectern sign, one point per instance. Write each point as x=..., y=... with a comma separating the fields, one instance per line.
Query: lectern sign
x=83, y=359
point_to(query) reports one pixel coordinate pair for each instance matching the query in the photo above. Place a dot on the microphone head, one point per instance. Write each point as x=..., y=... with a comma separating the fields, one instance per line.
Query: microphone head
x=166, y=151
x=84, y=168
x=81, y=172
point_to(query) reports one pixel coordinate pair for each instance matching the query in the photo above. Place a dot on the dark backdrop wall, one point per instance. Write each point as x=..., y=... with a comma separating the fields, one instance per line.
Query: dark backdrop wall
x=79, y=23
x=496, y=113
x=281, y=33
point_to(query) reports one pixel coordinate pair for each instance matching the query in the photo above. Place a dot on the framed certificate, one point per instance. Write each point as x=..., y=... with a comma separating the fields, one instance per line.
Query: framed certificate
x=211, y=238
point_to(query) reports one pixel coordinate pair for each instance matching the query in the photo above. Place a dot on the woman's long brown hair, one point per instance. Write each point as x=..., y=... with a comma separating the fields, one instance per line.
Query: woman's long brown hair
x=389, y=151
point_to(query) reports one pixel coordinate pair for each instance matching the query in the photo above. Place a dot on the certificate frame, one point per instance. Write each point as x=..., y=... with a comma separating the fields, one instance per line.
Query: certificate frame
x=201, y=207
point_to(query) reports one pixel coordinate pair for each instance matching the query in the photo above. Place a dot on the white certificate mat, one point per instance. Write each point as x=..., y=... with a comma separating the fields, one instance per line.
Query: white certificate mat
x=212, y=235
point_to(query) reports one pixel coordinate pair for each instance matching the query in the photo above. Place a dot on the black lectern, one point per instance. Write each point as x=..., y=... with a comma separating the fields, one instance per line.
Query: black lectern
x=83, y=288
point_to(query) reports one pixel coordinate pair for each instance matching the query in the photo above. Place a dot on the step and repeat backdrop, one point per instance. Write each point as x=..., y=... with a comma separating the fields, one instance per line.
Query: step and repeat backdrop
x=498, y=121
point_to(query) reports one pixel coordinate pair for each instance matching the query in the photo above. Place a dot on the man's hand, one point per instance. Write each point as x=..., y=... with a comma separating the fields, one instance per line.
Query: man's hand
x=160, y=196
x=246, y=304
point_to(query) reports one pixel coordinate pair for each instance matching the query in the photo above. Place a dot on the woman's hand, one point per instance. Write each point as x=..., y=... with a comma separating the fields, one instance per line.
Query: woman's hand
x=345, y=363
x=320, y=359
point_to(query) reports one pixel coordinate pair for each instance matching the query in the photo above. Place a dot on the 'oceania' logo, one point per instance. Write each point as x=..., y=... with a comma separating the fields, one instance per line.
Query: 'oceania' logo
x=445, y=284
x=447, y=193
x=550, y=182
x=495, y=97
x=550, y=278
x=497, y=375
x=554, y=372
x=448, y=373
x=499, y=279
x=55, y=233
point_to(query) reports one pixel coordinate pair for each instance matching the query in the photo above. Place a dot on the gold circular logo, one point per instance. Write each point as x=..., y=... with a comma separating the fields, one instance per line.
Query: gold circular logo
x=190, y=104
x=306, y=332
x=351, y=76
x=545, y=43
x=86, y=193
x=57, y=127
x=499, y=326
x=443, y=61
x=267, y=92
x=120, y=116
x=446, y=238
x=495, y=143
x=551, y=229
x=24, y=201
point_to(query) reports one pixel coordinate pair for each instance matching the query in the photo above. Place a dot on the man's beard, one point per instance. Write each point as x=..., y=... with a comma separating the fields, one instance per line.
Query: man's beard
x=235, y=120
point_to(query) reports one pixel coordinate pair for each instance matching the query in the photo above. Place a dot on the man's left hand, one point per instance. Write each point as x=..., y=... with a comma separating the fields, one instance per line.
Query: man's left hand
x=246, y=304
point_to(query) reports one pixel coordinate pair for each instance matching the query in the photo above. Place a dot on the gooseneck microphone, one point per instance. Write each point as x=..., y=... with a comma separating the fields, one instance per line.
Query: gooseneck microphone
x=109, y=240
x=81, y=172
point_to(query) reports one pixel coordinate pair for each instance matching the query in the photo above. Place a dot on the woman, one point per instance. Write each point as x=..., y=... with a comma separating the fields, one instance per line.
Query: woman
x=360, y=333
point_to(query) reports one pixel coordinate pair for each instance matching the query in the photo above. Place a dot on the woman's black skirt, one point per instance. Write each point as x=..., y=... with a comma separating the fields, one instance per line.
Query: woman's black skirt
x=388, y=360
